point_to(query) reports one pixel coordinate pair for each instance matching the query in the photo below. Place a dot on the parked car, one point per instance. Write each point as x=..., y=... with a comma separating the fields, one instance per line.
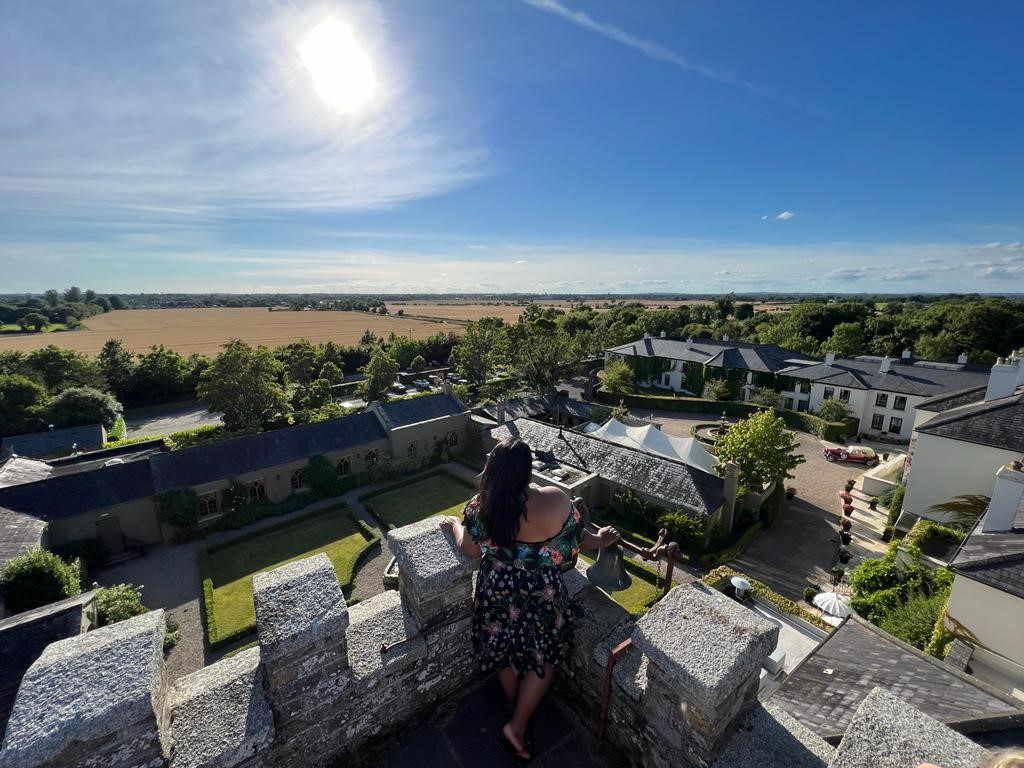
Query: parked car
x=856, y=453
x=422, y=383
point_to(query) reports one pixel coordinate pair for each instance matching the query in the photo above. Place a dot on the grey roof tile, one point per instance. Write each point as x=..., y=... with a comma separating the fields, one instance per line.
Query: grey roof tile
x=54, y=442
x=18, y=533
x=402, y=413
x=997, y=423
x=67, y=495
x=825, y=691
x=715, y=353
x=951, y=400
x=902, y=378
x=674, y=482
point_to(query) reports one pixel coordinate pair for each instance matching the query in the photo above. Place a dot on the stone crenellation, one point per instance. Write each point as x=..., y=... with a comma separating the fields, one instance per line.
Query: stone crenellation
x=327, y=680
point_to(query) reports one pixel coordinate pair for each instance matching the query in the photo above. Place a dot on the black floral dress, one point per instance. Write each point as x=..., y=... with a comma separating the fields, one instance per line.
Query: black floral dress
x=522, y=616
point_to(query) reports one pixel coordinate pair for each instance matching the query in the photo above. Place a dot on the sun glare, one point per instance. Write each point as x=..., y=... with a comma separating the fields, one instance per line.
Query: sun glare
x=340, y=69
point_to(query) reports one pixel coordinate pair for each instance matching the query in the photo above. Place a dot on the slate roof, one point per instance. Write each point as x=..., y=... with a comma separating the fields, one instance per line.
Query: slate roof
x=995, y=559
x=714, y=353
x=18, y=533
x=67, y=495
x=825, y=690
x=997, y=423
x=947, y=402
x=903, y=378
x=675, y=483
x=209, y=463
x=17, y=470
x=533, y=406
x=55, y=442
x=402, y=413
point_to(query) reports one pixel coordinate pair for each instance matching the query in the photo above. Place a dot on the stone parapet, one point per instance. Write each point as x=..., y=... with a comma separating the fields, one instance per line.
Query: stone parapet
x=435, y=577
x=94, y=699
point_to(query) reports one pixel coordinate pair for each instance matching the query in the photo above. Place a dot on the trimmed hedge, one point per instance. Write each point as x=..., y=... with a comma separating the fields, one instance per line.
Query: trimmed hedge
x=833, y=431
x=784, y=604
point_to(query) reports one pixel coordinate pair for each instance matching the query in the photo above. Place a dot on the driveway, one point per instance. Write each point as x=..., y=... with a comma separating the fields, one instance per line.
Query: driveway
x=798, y=550
x=158, y=420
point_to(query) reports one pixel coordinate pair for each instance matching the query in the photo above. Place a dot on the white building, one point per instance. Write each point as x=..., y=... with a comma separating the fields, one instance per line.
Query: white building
x=986, y=604
x=879, y=391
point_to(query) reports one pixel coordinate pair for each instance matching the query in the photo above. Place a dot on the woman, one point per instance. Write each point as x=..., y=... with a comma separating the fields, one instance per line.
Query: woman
x=523, y=620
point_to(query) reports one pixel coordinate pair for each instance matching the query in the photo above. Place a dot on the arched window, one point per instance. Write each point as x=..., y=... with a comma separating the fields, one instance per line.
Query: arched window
x=298, y=479
x=412, y=450
x=344, y=465
x=208, y=505
x=257, y=491
x=452, y=438
x=371, y=458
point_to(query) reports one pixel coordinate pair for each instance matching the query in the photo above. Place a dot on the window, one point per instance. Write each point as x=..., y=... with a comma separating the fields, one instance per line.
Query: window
x=829, y=392
x=452, y=438
x=298, y=479
x=881, y=400
x=802, y=406
x=899, y=404
x=666, y=380
x=257, y=492
x=844, y=395
x=371, y=459
x=344, y=465
x=788, y=404
x=876, y=421
x=411, y=451
x=208, y=505
x=895, y=424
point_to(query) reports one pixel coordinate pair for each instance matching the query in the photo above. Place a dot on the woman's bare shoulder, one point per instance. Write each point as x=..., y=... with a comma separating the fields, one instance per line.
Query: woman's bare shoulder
x=549, y=500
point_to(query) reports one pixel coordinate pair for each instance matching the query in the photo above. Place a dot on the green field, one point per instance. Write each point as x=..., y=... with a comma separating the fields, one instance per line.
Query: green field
x=641, y=594
x=436, y=494
x=227, y=569
x=15, y=328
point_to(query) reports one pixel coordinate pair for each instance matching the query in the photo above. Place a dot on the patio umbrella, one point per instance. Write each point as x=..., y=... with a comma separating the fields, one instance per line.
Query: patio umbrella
x=833, y=603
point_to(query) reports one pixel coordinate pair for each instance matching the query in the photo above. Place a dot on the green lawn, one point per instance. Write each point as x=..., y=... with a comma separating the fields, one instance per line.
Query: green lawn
x=227, y=569
x=436, y=494
x=15, y=328
x=641, y=594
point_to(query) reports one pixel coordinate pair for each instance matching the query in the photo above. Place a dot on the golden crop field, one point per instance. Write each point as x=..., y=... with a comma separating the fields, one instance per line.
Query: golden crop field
x=205, y=330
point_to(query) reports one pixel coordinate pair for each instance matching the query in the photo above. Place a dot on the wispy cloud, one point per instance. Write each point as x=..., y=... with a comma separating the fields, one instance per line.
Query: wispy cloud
x=647, y=47
x=785, y=216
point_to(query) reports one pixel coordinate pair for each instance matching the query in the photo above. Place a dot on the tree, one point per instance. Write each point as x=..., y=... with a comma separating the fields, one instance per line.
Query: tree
x=404, y=349
x=301, y=361
x=116, y=302
x=331, y=373
x=102, y=302
x=52, y=297
x=160, y=374
x=317, y=394
x=118, y=366
x=831, y=409
x=21, y=402
x=80, y=406
x=243, y=384
x=762, y=446
x=847, y=340
x=38, y=578
x=724, y=306
x=543, y=352
x=744, y=311
x=380, y=374
x=617, y=376
x=73, y=294
x=417, y=364
x=118, y=603
x=369, y=339
x=483, y=347
x=35, y=320
x=716, y=389
x=63, y=367
x=763, y=396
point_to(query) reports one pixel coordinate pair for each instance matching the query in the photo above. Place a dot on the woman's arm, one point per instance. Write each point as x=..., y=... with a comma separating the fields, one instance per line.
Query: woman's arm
x=462, y=539
x=604, y=537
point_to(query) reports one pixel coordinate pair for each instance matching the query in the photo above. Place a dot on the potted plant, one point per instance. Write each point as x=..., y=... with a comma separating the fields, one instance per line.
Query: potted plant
x=846, y=523
x=837, y=574
x=809, y=593
x=846, y=496
x=845, y=536
x=873, y=504
x=848, y=510
x=887, y=533
x=850, y=484
x=845, y=555
x=885, y=457
x=790, y=493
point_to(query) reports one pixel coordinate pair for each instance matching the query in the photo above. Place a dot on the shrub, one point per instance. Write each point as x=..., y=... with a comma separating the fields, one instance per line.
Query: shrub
x=118, y=432
x=914, y=620
x=418, y=363
x=716, y=389
x=236, y=504
x=323, y=477
x=690, y=533
x=90, y=553
x=896, y=504
x=875, y=574
x=117, y=603
x=80, y=406
x=809, y=594
x=831, y=409
x=38, y=578
x=171, y=633
x=179, y=507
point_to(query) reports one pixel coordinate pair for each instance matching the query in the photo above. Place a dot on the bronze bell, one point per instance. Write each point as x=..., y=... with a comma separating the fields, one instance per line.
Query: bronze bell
x=609, y=572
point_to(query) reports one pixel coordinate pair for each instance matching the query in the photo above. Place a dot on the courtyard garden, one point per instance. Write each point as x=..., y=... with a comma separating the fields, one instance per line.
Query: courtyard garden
x=227, y=569
x=438, y=493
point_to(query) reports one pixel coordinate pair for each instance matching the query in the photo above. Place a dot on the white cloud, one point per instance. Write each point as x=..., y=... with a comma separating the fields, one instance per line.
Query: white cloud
x=519, y=261
x=929, y=261
x=647, y=47
x=764, y=218
x=785, y=216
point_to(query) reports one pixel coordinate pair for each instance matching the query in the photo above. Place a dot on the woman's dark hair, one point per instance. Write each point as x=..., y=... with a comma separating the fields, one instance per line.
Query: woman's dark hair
x=504, y=486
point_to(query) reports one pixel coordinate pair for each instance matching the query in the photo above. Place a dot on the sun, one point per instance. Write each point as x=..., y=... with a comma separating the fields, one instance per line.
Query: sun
x=340, y=68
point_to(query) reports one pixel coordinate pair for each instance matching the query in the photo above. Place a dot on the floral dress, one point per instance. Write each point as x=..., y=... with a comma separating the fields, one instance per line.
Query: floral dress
x=522, y=616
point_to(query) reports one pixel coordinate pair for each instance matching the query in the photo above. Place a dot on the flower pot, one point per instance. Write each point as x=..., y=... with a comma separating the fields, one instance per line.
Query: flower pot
x=790, y=493
x=846, y=523
x=887, y=534
x=848, y=509
x=845, y=537
x=846, y=497
x=844, y=557
x=873, y=504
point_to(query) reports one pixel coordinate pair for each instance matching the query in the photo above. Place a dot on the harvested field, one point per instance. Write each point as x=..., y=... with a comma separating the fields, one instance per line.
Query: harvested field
x=205, y=330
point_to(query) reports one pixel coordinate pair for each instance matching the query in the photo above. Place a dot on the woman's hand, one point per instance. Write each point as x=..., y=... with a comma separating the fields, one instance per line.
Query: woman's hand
x=608, y=536
x=447, y=523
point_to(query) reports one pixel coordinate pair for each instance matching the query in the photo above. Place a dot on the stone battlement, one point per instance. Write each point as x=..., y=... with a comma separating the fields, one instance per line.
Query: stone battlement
x=327, y=679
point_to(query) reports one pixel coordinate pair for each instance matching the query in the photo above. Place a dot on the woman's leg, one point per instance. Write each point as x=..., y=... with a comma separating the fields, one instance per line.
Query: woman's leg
x=509, y=684
x=531, y=691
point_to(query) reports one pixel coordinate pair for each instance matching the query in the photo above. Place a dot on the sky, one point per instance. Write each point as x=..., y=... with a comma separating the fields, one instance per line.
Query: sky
x=583, y=146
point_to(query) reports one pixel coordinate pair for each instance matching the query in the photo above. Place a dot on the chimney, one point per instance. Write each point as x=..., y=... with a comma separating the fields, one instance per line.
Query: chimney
x=689, y=340
x=500, y=410
x=906, y=354
x=663, y=334
x=962, y=359
x=647, y=335
x=1007, y=495
x=1006, y=375
x=731, y=485
x=884, y=367
x=446, y=387
x=725, y=337
x=830, y=357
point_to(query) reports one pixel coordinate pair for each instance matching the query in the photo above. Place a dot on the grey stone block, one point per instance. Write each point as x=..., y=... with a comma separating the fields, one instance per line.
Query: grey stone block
x=383, y=619
x=769, y=736
x=92, y=688
x=220, y=715
x=705, y=642
x=298, y=605
x=428, y=557
x=886, y=732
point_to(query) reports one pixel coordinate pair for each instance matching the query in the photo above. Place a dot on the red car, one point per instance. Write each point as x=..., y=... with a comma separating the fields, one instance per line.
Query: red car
x=858, y=453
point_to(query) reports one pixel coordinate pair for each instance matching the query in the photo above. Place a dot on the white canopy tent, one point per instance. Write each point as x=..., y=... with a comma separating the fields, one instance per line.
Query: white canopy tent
x=650, y=439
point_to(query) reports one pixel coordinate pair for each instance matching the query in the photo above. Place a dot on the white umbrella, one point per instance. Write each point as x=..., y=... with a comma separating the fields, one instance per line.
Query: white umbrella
x=833, y=603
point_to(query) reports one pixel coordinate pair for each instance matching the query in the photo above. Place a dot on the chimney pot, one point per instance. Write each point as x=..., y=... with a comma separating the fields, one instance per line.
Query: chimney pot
x=830, y=357
x=962, y=359
x=725, y=337
x=906, y=354
x=886, y=364
x=1007, y=495
x=663, y=334
x=647, y=335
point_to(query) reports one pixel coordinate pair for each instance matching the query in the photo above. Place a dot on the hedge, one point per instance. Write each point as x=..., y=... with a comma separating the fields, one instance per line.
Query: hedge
x=834, y=431
x=784, y=604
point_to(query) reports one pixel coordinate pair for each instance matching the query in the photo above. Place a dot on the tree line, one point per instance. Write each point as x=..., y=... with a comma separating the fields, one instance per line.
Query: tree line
x=68, y=308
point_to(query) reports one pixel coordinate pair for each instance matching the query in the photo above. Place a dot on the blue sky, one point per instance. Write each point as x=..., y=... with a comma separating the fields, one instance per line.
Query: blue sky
x=543, y=146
